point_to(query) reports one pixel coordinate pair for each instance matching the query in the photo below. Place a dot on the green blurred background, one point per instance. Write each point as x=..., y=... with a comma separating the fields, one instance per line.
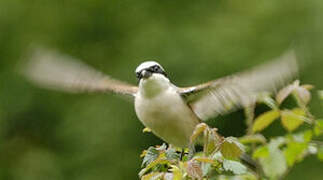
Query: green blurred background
x=53, y=135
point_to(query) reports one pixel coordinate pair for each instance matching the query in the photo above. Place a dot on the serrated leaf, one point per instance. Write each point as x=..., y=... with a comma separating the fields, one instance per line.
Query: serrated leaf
x=149, y=155
x=231, y=148
x=206, y=169
x=318, y=129
x=194, y=170
x=254, y=138
x=159, y=161
x=292, y=119
x=199, y=129
x=152, y=176
x=213, y=141
x=211, y=146
x=217, y=156
x=172, y=154
x=162, y=147
x=294, y=152
x=303, y=95
x=275, y=164
x=261, y=152
x=286, y=91
x=234, y=166
x=265, y=120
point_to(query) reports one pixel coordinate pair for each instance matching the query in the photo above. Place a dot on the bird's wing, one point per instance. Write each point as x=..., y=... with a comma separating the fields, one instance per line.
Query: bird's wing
x=52, y=70
x=240, y=90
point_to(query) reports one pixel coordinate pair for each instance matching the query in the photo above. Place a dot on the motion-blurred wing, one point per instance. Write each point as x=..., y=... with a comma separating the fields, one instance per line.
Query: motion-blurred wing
x=52, y=70
x=240, y=90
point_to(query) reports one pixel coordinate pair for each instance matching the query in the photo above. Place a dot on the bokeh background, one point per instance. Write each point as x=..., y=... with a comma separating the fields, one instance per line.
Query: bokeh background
x=53, y=135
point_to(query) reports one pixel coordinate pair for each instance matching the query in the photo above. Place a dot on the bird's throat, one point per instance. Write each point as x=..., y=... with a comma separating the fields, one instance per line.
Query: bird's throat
x=154, y=85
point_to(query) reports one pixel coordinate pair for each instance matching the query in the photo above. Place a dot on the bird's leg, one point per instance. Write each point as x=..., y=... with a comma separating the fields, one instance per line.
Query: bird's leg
x=182, y=154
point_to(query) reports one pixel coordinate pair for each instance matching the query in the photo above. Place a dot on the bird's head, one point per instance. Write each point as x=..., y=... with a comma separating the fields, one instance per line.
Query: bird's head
x=148, y=68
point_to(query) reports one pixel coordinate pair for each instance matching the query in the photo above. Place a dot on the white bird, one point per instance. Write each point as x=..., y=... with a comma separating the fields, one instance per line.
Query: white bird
x=169, y=111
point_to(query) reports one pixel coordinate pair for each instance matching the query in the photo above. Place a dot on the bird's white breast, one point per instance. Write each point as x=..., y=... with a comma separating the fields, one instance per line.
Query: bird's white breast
x=160, y=108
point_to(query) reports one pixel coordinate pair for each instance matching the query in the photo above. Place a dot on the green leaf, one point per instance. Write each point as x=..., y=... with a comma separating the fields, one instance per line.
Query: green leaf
x=213, y=141
x=275, y=164
x=265, y=120
x=204, y=159
x=320, y=153
x=318, y=129
x=320, y=94
x=152, y=176
x=159, y=161
x=303, y=95
x=295, y=151
x=286, y=91
x=307, y=135
x=176, y=173
x=268, y=100
x=276, y=143
x=254, y=138
x=217, y=156
x=207, y=169
x=172, y=154
x=236, y=167
x=231, y=148
x=302, y=137
x=199, y=129
x=247, y=176
x=150, y=155
x=163, y=147
x=292, y=119
x=261, y=152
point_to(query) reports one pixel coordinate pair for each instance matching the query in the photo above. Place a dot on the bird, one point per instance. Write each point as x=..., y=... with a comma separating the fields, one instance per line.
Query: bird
x=169, y=111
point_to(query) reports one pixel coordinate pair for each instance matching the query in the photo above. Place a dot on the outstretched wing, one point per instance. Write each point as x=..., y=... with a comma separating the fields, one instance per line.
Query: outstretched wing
x=52, y=70
x=240, y=90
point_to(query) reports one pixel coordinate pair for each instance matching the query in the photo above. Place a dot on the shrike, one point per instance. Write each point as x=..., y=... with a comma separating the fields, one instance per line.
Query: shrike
x=171, y=112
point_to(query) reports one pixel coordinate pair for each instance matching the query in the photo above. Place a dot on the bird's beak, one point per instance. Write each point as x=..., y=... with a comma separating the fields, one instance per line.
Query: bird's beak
x=146, y=74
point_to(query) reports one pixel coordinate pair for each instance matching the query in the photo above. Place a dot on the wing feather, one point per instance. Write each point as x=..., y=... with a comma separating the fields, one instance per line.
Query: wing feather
x=230, y=93
x=52, y=70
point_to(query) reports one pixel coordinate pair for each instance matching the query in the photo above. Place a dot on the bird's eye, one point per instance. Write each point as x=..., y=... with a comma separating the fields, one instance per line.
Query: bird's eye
x=155, y=68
